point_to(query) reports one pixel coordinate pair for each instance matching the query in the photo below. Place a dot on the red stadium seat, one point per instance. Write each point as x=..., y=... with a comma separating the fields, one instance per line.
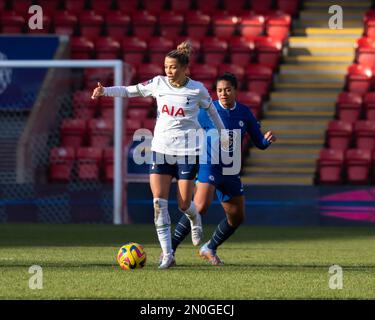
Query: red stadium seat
x=330, y=166
x=61, y=161
x=131, y=125
x=107, y=48
x=369, y=22
x=288, y=6
x=339, y=134
x=214, y=51
x=144, y=24
x=154, y=6
x=141, y=103
x=75, y=6
x=117, y=24
x=365, y=52
x=73, y=132
x=82, y=48
x=252, y=25
x=100, y=132
x=89, y=161
x=148, y=71
x=204, y=73
x=137, y=113
x=197, y=24
x=251, y=100
x=208, y=6
x=369, y=105
x=269, y=51
x=235, y=7
x=91, y=76
x=12, y=22
x=108, y=164
x=261, y=7
x=241, y=51
x=357, y=163
x=259, y=79
x=224, y=25
x=83, y=106
x=101, y=7
x=149, y=124
x=348, y=106
x=158, y=48
x=65, y=22
x=278, y=25
x=180, y=5
x=134, y=50
x=359, y=78
x=171, y=24
x=91, y=24
x=364, y=131
x=106, y=106
x=49, y=6
x=128, y=6
x=21, y=6
x=237, y=70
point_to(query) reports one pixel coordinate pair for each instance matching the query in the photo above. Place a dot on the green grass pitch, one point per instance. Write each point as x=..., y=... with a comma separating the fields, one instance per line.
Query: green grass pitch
x=78, y=262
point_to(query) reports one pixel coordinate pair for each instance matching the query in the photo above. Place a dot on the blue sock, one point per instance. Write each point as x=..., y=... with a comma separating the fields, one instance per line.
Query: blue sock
x=222, y=233
x=181, y=231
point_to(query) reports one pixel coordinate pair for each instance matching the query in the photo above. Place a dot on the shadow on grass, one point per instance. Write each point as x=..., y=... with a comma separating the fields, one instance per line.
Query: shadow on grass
x=29, y=235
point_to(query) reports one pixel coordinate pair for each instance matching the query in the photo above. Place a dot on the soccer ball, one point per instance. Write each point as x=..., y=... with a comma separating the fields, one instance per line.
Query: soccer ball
x=131, y=256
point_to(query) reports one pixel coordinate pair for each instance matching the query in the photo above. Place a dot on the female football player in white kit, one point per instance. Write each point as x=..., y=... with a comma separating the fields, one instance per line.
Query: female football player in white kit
x=179, y=99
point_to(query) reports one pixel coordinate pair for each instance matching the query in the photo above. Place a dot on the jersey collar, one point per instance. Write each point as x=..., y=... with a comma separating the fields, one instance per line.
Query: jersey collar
x=231, y=109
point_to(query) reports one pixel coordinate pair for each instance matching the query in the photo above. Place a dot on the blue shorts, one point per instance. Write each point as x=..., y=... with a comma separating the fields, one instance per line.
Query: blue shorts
x=183, y=168
x=227, y=186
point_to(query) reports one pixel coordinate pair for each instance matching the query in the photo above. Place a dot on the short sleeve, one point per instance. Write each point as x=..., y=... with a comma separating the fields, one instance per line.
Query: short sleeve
x=205, y=99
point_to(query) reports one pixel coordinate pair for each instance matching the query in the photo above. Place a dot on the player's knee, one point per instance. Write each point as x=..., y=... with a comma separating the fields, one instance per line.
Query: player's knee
x=202, y=207
x=236, y=220
x=184, y=205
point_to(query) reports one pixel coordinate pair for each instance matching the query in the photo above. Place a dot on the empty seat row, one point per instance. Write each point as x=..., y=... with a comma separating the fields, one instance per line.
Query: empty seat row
x=351, y=106
x=89, y=163
x=142, y=24
x=344, y=135
x=155, y=6
x=353, y=166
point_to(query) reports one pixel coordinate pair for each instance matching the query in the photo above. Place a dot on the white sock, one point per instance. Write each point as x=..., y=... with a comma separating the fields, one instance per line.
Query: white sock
x=163, y=224
x=191, y=212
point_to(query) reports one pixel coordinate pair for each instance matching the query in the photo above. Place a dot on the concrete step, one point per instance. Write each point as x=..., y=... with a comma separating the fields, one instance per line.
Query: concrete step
x=319, y=69
x=323, y=23
x=322, y=4
x=299, y=115
x=282, y=162
x=289, y=124
x=310, y=78
x=309, y=87
x=330, y=59
x=321, y=51
x=298, y=106
x=298, y=97
x=313, y=32
x=321, y=42
x=349, y=13
x=282, y=152
x=278, y=170
x=281, y=179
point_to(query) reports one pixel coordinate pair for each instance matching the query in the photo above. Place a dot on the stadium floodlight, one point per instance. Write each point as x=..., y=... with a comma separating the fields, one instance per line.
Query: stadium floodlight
x=120, y=214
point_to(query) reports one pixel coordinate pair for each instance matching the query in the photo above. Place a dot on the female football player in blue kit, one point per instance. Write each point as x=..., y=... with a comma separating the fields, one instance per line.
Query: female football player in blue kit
x=229, y=188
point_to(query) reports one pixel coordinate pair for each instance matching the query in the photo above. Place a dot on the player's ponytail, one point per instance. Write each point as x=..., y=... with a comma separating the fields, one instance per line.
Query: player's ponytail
x=182, y=53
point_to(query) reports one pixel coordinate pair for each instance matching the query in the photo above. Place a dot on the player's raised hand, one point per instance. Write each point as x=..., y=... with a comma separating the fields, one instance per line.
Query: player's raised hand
x=98, y=91
x=269, y=136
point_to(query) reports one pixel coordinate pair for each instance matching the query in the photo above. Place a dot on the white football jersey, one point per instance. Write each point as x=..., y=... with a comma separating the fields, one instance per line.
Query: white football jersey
x=177, y=113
